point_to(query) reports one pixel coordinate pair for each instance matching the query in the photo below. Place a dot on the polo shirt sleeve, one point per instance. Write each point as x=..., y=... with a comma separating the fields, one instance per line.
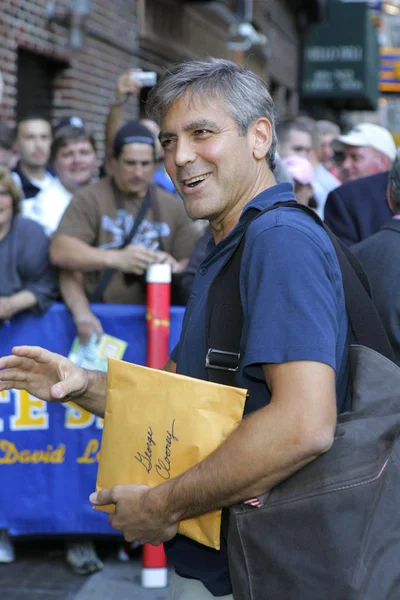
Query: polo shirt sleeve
x=291, y=291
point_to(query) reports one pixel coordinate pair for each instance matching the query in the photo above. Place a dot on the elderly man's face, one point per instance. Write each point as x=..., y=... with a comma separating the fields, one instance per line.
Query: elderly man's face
x=361, y=161
x=211, y=165
x=325, y=150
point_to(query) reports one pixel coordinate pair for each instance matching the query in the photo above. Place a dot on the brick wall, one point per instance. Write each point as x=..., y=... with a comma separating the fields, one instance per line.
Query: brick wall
x=276, y=19
x=85, y=81
x=169, y=30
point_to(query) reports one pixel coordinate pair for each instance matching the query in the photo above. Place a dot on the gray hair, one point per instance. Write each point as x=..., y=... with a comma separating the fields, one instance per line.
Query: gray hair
x=325, y=127
x=245, y=95
x=394, y=183
x=284, y=128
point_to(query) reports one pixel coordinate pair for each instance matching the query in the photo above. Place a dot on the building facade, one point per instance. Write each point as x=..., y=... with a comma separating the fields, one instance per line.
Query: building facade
x=44, y=76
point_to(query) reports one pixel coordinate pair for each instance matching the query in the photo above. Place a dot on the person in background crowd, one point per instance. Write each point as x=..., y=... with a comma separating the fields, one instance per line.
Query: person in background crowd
x=27, y=281
x=127, y=86
x=73, y=158
x=302, y=173
x=359, y=207
x=161, y=176
x=323, y=181
x=217, y=130
x=327, y=133
x=380, y=257
x=294, y=137
x=368, y=149
x=32, y=143
x=101, y=216
x=8, y=156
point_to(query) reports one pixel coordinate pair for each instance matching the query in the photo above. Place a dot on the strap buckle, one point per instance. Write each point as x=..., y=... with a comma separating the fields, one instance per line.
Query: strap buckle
x=223, y=361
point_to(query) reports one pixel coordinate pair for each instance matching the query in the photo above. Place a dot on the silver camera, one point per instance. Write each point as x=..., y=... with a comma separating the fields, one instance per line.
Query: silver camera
x=146, y=78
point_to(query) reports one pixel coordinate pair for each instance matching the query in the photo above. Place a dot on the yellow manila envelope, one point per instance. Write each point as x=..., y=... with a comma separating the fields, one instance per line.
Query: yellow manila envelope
x=157, y=425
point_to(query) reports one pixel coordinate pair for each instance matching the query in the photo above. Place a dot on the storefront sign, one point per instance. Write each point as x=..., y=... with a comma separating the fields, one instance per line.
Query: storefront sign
x=340, y=61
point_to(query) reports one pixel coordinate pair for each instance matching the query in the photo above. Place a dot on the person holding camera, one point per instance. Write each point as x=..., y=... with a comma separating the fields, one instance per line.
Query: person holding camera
x=92, y=237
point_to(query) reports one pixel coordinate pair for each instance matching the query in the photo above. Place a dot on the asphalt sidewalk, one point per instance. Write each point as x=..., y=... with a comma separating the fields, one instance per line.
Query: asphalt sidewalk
x=40, y=573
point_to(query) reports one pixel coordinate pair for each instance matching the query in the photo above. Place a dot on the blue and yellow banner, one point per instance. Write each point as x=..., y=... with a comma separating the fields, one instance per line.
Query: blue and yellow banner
x=389, y=70
x=49, y=452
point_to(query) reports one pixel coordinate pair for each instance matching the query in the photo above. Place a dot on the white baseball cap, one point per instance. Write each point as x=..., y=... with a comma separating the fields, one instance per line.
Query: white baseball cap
x=370, y=135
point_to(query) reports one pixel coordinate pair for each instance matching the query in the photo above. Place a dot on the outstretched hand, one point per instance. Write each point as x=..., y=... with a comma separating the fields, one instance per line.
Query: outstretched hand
x=42, y=373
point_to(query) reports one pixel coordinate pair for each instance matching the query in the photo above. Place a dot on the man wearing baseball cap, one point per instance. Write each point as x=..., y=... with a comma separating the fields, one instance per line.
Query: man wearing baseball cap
x=368, y=149
x=120, y=225
x=359, y=207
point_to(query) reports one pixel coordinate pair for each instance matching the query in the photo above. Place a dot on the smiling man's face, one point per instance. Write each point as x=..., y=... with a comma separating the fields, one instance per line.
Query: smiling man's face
x=210, y=163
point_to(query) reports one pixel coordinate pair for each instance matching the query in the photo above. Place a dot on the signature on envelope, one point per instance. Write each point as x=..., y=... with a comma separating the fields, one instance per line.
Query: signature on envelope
x=162, y=465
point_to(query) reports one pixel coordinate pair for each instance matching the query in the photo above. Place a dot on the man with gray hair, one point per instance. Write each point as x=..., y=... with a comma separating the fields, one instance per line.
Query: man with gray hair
x=327, y=132
x=218, y=134
x=378, y=256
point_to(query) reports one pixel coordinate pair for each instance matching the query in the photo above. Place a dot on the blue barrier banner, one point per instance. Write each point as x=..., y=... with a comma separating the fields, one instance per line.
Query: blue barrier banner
x=49, y=452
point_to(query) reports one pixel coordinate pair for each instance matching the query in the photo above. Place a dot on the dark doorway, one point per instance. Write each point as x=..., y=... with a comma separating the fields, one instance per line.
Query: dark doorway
x=35, y=80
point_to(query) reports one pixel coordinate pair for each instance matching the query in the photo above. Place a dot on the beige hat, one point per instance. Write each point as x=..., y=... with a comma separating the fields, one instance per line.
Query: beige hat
x=372, y=136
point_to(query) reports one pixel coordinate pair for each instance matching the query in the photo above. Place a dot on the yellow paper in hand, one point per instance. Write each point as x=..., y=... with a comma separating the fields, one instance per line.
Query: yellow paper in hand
x=157, y=425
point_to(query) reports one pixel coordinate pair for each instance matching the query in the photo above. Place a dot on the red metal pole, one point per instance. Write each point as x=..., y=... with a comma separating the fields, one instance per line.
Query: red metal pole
x=158, y=277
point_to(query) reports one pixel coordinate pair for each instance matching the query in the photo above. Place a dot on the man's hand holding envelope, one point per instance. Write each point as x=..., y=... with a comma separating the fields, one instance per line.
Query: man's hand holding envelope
x=137, y=513
x=157, y=426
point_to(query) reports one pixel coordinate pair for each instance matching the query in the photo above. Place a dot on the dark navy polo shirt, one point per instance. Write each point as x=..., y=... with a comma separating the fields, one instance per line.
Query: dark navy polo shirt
x=294, y=309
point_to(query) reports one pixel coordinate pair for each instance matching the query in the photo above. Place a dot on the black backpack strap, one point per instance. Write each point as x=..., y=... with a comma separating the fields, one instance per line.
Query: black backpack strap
x=224, y=317
x=224, y=320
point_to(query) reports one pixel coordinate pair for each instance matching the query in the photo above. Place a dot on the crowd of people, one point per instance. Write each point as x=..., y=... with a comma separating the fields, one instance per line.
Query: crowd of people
x=82, y=228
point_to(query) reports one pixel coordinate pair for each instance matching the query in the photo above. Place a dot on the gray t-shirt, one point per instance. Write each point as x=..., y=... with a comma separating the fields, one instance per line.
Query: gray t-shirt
x=25, y=265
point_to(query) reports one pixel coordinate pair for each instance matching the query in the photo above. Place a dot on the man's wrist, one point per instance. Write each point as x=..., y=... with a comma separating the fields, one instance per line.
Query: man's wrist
x=81, y=316
x=119, y=99
x=12, y=306
x=96, y=387
x=20, y=301
x=111, y=259
x=160, y=500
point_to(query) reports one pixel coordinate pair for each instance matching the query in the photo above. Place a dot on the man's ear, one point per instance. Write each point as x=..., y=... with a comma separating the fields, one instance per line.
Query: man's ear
x=384, y=161
x=262, y=137
x=113, y=164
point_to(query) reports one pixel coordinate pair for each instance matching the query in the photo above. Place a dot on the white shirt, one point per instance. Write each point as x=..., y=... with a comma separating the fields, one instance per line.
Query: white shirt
x=42, y=184
x=324, y=182
x=48, y=206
